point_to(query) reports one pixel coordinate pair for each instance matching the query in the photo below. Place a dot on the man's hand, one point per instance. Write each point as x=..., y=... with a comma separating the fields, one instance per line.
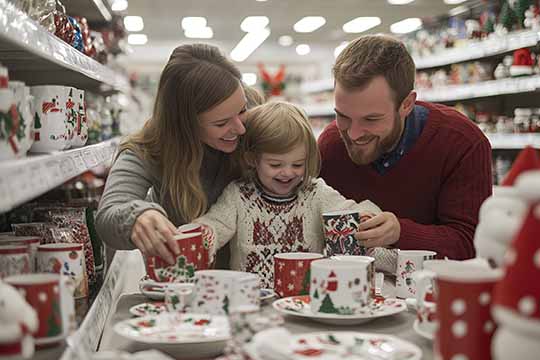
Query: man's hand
x=380, y=231
x=151, y=234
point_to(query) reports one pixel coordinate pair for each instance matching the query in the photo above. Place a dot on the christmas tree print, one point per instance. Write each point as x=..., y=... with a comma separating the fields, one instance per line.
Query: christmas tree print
x=507, y=16
x=316, y=294
x=327, y=306
x=305, y=283
x=226, y=304
x=54, y=325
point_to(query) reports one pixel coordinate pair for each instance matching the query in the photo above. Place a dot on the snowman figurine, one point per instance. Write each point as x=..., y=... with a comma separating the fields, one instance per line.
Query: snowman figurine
x=516, y=297
x=19, y=320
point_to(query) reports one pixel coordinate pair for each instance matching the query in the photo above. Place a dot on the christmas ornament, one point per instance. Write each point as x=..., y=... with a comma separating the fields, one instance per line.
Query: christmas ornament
x=272, y=85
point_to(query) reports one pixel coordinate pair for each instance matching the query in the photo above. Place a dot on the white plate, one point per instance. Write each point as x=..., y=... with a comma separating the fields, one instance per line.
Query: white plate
x=198, y=335
x=145, y=309
x=379, y=307
x=352, y=345
x=421, y=331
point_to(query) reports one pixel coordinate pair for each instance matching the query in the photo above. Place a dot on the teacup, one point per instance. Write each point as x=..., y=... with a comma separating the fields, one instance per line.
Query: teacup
x=178, y=296
x=339, y=230
x=193, y=256
x=462, y=293
x=408, y=262
x=66, y=259
x=14, y=260
x=291, y=273
x=339, y=287
x=50, y=295
x=220, y=292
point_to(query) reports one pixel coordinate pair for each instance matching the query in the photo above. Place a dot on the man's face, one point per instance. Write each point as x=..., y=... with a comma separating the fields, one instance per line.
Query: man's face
x=368, y=121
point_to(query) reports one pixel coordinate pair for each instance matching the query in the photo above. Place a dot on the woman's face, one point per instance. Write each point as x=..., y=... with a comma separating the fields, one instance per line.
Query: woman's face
x=222, y=125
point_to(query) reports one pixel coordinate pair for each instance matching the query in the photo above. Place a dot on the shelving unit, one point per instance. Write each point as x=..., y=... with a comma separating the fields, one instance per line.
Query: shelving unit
x=95, y=11
x=24, y=179
x=37, y=57
x=474, y=50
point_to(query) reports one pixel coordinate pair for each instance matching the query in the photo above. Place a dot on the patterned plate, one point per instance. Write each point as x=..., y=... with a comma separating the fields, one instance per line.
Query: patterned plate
x=422, y=331
x=343, y=345
x=175, y=328
x=378, y=307
x=145, y=309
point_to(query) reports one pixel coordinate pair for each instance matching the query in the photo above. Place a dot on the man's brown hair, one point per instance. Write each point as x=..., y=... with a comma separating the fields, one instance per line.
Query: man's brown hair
x=370, y=56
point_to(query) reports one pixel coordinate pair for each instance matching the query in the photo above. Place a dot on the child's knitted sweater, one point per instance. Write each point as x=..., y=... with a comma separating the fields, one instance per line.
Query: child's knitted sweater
x=259, y=227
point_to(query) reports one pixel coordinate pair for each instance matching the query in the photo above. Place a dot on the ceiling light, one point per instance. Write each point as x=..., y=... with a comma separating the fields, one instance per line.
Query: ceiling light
x=137, y=39
x=249, y=43
x=454, y=2
x=254, y=23
x=361, y=24
x=285, y=40
x=458, y=10
x=399, y=2
x=119, y=5
x=249, y=79
x=199, y=33
x=133, y=23
x=193, y=22
x=406, y=26
x=340, y=48
x=303, y=49
x=309, y=24
x=261, y=0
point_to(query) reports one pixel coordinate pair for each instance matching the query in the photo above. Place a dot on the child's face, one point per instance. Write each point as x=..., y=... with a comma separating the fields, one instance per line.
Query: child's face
x=280, y=174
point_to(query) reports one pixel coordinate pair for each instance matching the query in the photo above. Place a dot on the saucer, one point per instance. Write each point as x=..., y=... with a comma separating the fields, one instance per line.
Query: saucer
x=333, y=345
x=266, y=294
x=378, y=307
x=422, y=332
x=145, y=309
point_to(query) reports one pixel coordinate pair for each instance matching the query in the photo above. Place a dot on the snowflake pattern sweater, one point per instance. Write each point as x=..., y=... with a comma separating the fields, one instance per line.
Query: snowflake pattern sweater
x=259, y=228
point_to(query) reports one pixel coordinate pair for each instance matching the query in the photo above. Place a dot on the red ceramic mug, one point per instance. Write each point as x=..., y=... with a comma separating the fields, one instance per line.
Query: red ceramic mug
x=292, y=273
x=193, y=256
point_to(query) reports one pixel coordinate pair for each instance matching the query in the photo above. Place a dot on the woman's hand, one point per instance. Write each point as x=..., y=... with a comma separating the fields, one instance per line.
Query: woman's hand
x=380, y=231
x=152, y=233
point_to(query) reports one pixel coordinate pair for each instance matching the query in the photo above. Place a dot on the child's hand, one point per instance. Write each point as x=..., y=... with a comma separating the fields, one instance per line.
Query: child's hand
x=151, y=234
x=381, y=230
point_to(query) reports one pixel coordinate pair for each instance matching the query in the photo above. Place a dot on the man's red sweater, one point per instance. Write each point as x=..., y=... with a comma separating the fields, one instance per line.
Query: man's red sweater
x=435, y=189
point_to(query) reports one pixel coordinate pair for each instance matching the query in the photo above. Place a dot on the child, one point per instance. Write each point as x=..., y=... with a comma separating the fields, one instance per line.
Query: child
x=277, y=206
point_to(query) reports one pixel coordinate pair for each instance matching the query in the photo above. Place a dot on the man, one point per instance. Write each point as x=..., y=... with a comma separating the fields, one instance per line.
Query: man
x=426, y=165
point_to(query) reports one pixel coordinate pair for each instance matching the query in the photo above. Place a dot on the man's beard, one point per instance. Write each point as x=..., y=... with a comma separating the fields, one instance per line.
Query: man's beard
x=376, y=147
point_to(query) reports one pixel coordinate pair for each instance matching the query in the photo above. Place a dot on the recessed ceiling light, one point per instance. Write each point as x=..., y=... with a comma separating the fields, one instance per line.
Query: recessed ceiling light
x=248, y=44
x=119, y=5
x=199, y=33
x=254, y=23
x=340, y=48
x=361, y=24
x=454, y=2
x=406, y=26
x=399, y=2
x=133, y=23
x=193, y=22
x=137, y=39
x=249, y=78
x=303, y=49
x=285, y=40
x=309, y=24
x=261, y=0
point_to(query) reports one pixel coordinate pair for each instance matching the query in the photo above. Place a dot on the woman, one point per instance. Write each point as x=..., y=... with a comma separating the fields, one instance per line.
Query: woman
x=172, y=170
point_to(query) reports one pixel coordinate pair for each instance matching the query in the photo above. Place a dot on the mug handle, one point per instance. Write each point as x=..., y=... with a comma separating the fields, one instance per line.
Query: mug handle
x=423, y=279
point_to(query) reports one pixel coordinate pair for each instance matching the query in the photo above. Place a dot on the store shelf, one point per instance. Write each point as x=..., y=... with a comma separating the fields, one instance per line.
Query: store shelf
x=315, y=86
x=479, y=90
x=480, y=49
x=37, y=57
x=513, y=141
x=24, y=179
x=95, y=11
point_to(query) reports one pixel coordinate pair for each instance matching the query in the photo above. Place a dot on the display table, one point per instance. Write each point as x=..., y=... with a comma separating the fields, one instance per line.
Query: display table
x=398, y=325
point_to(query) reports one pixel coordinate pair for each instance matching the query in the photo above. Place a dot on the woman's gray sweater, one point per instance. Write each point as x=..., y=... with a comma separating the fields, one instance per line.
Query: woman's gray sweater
x=127, y=194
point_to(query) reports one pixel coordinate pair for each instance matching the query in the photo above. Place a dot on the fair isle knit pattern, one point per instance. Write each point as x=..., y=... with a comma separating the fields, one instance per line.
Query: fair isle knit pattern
x=259, y=228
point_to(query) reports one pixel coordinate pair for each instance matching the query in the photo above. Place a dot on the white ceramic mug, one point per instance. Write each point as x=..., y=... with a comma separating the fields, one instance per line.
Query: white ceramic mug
x=51, y=130
x=364, y=259
x=339, y=287
x=220, y=292
x=408, y=262
x=178, y=296
x=14, y=260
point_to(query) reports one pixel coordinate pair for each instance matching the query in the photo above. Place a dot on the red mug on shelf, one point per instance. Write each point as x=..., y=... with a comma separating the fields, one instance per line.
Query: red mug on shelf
x=193, y=256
